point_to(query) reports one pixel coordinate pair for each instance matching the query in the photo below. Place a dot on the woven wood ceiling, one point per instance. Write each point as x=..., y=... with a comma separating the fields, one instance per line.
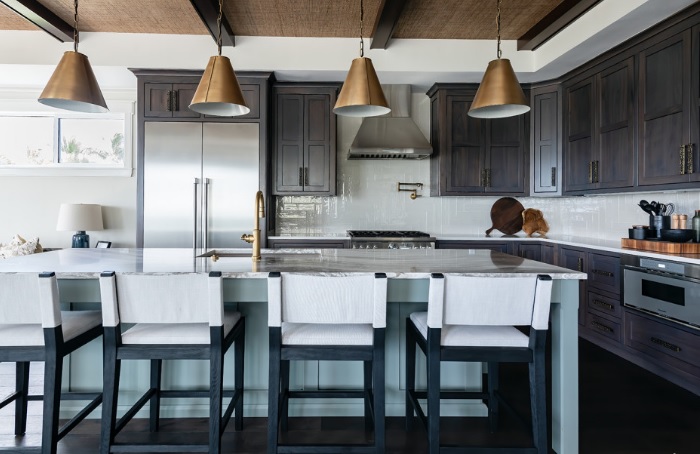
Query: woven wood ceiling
x=420, y=19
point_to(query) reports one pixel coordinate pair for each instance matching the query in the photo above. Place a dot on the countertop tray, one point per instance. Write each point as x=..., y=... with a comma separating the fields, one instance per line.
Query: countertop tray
x=666, y=247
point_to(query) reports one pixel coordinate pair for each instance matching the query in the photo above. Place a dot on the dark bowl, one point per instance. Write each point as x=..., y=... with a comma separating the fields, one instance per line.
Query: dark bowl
x=677, y=235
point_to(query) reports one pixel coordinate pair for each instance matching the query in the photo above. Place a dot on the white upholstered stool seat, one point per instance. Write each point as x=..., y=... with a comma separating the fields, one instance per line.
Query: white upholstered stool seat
x=180, y=333
x=326, y=317
x=74, y=324
x=175, y=316
x=465, y=335
x=474, y=319
x=326, y=334
x=33, y=328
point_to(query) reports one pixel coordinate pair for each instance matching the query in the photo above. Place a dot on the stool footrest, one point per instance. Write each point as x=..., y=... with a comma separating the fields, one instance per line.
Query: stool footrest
x=67, y=427
x=327, y=394
x=158, y=448
x=326, y=449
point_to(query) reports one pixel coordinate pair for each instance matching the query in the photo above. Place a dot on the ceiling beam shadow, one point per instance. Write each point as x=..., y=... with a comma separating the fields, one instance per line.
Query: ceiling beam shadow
x=554, y=22
x=42, y=17
x=387, y=18
x=208, y=11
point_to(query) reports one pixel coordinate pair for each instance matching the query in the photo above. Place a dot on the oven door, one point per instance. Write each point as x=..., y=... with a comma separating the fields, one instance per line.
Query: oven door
x=672, y=297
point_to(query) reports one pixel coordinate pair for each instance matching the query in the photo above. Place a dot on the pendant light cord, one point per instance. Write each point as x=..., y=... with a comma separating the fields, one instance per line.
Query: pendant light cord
x=76, y=35
x=218, y=24
x=362, y=17
x=498, y=25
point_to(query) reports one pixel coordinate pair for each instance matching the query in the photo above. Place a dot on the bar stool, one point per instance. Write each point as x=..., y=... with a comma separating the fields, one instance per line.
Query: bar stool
x=339, y=318
x=175, y=316
x=33, y=328
x=474, y=319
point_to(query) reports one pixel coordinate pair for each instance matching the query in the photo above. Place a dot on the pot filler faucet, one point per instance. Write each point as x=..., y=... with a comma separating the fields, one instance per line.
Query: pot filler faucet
x=255, y=237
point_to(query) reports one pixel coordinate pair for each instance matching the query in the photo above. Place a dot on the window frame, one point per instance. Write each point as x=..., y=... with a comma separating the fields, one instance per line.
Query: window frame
x=25, y=108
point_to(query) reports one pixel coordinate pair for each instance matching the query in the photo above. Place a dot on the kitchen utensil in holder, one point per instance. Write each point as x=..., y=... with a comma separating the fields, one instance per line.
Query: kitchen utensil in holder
x=656, y=223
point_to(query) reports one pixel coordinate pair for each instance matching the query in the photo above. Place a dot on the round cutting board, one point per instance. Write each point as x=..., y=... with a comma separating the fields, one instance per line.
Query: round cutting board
x=506, y=216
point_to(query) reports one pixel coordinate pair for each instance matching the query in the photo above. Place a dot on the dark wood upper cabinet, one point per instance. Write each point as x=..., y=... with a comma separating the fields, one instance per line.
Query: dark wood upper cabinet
x=665, y=98
x=305, y=140
x=169, y=100
x=546, y=139
x=599, y=145
x=473, y=156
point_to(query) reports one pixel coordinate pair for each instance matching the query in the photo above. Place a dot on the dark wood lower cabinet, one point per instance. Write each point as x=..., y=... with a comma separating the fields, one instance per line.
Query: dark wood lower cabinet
x=498, y=246
x=278, y=243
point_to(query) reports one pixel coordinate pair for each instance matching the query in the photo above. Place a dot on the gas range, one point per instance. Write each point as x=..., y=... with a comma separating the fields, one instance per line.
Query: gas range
x=390, y=239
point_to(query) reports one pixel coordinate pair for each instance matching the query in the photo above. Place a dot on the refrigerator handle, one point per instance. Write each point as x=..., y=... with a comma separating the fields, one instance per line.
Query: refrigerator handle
x=195, y=229
x=205, y=215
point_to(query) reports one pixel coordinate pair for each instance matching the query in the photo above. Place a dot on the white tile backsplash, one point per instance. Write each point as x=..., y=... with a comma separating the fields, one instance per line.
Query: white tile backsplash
x=367, y=198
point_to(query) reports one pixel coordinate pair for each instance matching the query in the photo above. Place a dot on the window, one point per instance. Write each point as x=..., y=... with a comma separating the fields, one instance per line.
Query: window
x=51, y=142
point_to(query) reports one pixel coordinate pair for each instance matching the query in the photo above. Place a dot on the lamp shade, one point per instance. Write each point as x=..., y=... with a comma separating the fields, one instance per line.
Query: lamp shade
x=79, y=217
x=500, y=94
x=361, y=95
x=218, y=93
x=73, y=86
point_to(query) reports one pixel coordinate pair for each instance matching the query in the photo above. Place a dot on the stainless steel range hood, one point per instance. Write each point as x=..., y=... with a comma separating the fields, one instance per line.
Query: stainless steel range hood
x=395, y=136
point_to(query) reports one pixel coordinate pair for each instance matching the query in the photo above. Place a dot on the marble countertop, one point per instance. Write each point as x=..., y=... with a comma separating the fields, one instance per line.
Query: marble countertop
x=407, y=264
x=576, y=241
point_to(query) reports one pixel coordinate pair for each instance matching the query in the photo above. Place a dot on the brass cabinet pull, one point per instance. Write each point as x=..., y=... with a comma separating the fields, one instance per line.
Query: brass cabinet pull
x=482, y=179
x=554, y=176
x=301, y=176
x=602, y=273
x=682, y=159
x=169, y=100
x=665, y=344
x=596, y=174
x=604, y=305
x=602, y=327
x=580, y=263
x=590, y=172
x=176, y=100
x=689, y=159
x=488, y=178
x=306, y=176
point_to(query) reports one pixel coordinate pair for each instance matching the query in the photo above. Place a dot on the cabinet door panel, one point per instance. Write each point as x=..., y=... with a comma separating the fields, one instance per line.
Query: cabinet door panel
x=464, y=147
x=616, y=159
x=182, y=99
x=465, y=170
x=577, y=162
x=317, y=143
x=290, y=143
x=574, y=259
x=505, y=169
x=580, y=143
x=157, y=100
x=664, y=110
x=545, y=142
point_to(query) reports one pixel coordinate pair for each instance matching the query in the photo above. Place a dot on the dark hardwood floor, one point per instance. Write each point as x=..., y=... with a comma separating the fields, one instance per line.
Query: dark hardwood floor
x=623, y=410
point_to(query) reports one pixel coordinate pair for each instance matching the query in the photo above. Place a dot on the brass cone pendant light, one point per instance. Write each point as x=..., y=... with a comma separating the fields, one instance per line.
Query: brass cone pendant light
x=218, y=93
x=73, y=85
x=500, y=94
x=361, y=95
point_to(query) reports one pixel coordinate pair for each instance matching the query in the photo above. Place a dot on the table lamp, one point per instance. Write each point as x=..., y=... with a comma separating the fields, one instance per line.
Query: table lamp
x=80, y=217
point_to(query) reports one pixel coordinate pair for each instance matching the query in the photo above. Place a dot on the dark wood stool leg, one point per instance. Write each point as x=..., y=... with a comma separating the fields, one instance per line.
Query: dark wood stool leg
x=378, y=390
x=284, y=412
x=493, y=401
x=111, y=371
x=538, y=397
x=367, y=369
x=22, y=388
x=433, y=358
x=273, y=394
x=239, y=358
x=216, y=367
x=410, y=372
x=156, y=372
x=53, y=372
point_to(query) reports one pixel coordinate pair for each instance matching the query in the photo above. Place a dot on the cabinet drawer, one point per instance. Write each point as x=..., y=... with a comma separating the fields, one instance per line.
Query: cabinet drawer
x=604, y=327
x=604, y=304
x=670, y=344
x=604, y=272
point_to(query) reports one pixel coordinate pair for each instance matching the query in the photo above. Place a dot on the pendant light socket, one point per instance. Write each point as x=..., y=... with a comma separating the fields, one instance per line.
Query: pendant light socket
x=361, y=95
x=73, y=86
x=218, y=93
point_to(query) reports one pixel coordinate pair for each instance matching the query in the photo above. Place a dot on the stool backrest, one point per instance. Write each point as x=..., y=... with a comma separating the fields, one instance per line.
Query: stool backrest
x=353, y=298
x=29, y=298
x=161, y=298
x=474, y=300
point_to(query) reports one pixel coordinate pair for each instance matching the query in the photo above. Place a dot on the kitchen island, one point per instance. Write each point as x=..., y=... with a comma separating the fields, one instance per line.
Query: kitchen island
x=245, y=288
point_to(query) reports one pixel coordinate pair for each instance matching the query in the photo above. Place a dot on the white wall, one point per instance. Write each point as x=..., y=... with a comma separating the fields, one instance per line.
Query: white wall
x=367, y=199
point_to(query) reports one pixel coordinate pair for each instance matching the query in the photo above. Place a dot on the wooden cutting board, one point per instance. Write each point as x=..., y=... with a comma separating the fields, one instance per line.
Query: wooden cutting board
x=506, y=216
x=665, y=247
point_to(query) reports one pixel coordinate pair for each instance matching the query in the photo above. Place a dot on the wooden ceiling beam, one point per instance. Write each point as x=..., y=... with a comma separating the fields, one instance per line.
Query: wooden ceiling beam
x=208, y=11
x=42, y=17
x=387, y=18
x=554, y=22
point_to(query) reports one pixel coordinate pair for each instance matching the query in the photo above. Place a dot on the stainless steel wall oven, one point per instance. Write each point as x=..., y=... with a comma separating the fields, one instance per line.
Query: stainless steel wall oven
x=669, y=290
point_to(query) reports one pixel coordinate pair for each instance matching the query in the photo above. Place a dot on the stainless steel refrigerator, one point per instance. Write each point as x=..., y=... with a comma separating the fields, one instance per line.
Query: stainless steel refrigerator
x=199, y=183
